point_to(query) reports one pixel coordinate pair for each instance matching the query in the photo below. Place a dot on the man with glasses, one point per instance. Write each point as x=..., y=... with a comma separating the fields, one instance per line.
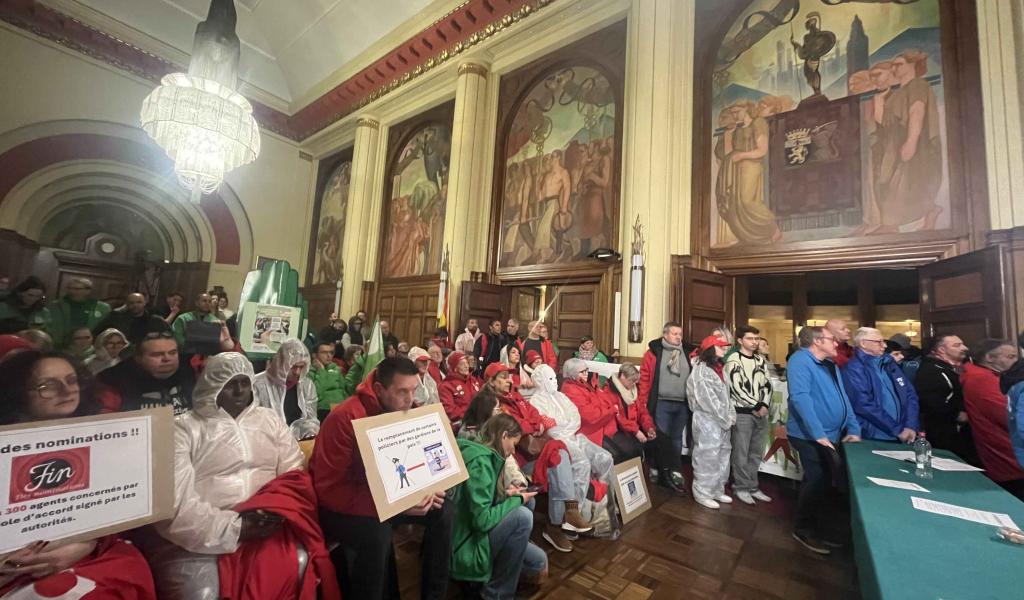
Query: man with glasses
x=135, y=321
x=75, y=310
x=750, y=388
x=156, y=376
x=881, y=395
x=820, y=416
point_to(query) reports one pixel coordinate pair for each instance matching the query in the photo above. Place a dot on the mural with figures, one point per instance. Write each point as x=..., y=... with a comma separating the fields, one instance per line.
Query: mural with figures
x=331, y=227
x=415, y=228
x=560, y=186
x=829, y=122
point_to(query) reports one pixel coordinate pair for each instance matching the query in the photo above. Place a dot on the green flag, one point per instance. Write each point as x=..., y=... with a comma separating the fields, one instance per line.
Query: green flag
x=375, y=350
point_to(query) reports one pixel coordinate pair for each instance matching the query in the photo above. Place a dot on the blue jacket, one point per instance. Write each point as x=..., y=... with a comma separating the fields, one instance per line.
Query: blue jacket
x=867, y=395
x=818, y=405
x=1016, y=423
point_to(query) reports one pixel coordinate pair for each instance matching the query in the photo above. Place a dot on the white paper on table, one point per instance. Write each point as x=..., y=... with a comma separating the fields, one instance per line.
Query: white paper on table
x=968, y=514
x=900, y=485
x=898, y=454
x=948, y=464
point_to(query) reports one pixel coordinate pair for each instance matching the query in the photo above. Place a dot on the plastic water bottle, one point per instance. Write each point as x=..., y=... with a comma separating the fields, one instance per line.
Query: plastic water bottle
x=922, y=457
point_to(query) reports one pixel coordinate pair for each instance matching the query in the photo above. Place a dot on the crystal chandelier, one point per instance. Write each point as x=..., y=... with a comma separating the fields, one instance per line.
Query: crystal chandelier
x=197, y=118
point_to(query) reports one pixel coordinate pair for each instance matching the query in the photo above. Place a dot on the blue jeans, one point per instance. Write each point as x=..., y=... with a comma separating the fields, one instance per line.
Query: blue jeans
x=511, y=554
x=671, y=418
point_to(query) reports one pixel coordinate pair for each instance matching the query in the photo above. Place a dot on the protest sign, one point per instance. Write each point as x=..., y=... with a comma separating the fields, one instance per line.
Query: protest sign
x=81, y=478
x=408, y=455
x=631, y=490
x=264, y=327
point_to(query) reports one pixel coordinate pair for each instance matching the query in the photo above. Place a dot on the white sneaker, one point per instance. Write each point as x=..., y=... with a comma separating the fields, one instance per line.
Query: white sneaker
x=759, y=495
x=706, y=502
x=724, y=499
x=745, y=497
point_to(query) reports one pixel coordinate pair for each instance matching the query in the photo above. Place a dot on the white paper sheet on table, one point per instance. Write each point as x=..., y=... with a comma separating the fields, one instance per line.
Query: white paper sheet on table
x=900, y=485
x=939, y=463
x=897, y=454
x=968, y=514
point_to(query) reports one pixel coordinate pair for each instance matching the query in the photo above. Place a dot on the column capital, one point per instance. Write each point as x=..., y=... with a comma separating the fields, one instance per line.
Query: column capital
x=368, y=122
x=475, y=68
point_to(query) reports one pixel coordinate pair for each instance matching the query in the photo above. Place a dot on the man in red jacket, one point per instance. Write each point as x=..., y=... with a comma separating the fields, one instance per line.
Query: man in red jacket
x=364, y=558
x=841, y=331
x=988, y=413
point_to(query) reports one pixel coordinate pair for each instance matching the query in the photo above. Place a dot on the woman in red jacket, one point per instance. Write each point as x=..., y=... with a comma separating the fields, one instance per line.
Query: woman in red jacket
x=458, y=388
x=597, y=413
x=633, y=424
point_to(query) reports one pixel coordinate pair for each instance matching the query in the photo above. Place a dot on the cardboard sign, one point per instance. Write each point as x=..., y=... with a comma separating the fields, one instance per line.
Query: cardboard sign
x=407, y=456
x=631, y=490
x=85, y=477
x=264, y=327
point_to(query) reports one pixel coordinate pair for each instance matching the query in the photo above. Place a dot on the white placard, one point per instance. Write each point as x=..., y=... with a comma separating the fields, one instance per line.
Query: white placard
x=968, y=514
x=604, y=369
x=900, y=485
x=631, y=490
x=73, y=477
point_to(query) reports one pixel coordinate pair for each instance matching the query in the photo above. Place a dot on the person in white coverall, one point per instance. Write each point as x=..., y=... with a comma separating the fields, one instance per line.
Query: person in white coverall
x=285, y=388
x=713, y=417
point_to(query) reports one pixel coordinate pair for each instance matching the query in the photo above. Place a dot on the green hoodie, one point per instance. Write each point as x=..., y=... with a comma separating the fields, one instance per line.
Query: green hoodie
x=333, y=388
x=67, y=315
x=477, y=511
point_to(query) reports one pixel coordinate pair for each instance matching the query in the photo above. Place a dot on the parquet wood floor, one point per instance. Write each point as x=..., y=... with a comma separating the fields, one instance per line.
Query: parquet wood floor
x=679, y=549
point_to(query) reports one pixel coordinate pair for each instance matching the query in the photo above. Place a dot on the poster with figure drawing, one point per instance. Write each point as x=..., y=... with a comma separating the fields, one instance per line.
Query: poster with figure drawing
x=413, y=240
x=561, y=193
x=408, y=455
x=831, y=124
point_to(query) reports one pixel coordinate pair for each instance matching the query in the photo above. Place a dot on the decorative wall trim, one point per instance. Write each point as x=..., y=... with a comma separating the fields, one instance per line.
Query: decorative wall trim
x=368, y=122
x=474, y=68
x=463, y=28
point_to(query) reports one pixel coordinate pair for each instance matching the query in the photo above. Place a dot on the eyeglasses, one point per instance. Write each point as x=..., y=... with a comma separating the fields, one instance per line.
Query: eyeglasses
x=875, y=341
x=828, y=339
x=52, y=388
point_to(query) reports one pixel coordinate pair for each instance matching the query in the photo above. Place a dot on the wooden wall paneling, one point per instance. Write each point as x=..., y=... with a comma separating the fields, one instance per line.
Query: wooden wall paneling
x=411, y=309
x=189, y=279
x=574, y=311
x=707, y=302
x=1011, y=242
x=966, y=295
x=741, y=301
x=321, y=305
x=525, y=304
x=369, y=297
x=483, y=301
x=17, y=256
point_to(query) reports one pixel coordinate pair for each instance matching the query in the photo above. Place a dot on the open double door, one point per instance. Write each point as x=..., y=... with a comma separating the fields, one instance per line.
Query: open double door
x=965, y=295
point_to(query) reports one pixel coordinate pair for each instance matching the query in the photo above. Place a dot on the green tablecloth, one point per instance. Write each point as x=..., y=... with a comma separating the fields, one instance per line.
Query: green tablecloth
x=902, y=552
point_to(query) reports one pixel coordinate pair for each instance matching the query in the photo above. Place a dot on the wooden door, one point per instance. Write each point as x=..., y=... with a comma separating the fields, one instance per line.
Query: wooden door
x=410, y=309
x=482, y=301
x=525, y=305
x=572, y=315
x=965, y=295
x=707, y=302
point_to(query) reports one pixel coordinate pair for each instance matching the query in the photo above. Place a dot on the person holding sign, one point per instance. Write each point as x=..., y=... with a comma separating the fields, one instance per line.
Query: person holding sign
x=364, y=557
x=491, y=538
x=36, y=387
x=285, y=388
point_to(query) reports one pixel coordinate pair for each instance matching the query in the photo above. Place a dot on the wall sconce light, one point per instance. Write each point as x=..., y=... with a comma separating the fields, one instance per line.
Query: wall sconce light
x=606, y=254
x=636, y=283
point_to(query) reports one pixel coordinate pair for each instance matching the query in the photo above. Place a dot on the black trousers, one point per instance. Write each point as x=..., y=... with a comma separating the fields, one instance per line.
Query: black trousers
x=823, y=492
x=365, y=558
x=622, y=446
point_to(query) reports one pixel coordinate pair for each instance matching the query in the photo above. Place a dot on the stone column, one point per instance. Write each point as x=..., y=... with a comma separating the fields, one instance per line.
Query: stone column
x=360, y=240
x=657, y=109
x=467, y=213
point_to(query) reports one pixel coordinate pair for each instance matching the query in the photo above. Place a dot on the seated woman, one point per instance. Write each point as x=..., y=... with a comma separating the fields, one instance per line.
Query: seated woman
x=109, y=344
x=230, y=455
x=633, y=424
x=597, y=412
x=35, y=387
x=426, y=391
x=458, y=388
x=285, y=388
x=521, y=381
x=491, y=535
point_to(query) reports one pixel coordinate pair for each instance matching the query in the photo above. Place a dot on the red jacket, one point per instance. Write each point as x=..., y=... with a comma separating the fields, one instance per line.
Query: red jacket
x=988, y=414
x=254, y=571
x=455, y=393
x=597, y=414
x=631, y=417
x=844, y=352
x=528, y=417
x=435, y=372
x=547, y=352
x=336, y=465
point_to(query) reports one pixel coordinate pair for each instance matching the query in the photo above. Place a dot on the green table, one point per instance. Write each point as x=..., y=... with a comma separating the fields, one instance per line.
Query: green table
x=902, y=552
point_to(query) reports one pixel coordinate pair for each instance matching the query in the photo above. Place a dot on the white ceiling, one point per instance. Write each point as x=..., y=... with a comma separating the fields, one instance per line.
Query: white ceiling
x=290, y=48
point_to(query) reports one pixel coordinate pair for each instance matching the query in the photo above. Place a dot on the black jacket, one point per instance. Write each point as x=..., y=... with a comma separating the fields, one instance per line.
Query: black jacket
x=133, y=328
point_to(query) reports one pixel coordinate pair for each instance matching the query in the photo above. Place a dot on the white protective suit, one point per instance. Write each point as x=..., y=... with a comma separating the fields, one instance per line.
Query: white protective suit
x=713, y=417
x=220, y=461
x=270, y=388
x=588, y=459
x=101, y=360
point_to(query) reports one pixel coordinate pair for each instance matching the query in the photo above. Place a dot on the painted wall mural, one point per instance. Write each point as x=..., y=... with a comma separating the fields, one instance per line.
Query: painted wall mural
x=829, y=124
x=330, y=229
x=560, y=187
x=414, y=236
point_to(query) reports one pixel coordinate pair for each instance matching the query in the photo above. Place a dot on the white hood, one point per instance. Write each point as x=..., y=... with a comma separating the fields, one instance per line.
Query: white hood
x=218, y=371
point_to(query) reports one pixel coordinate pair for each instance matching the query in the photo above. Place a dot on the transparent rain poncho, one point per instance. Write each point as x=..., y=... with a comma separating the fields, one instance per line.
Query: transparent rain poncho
x=713, y=418
x=270, y=388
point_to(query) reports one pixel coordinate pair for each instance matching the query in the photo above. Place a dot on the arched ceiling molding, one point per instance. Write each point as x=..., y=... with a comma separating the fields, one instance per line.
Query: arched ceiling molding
x=28, y=149
x=169, y=251
x=34, y=200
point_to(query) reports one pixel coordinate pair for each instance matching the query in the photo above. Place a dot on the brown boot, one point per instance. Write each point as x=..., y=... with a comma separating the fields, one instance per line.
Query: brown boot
x=554, y=536
x=573, y=520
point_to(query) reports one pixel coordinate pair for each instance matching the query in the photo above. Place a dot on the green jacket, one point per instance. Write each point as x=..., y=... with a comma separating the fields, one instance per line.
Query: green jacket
x=38, y=318
x=477, y=512
x=332, y=388
x=65, y=316
x=178, y=327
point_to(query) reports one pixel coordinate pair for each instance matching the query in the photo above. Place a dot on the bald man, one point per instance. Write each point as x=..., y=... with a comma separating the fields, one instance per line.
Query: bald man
x=841, y=331
x=135, y=321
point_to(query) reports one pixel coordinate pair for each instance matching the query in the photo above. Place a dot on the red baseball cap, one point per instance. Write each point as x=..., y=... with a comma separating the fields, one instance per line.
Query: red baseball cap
x=713, y=340
x=493, y=369
x=531, y=356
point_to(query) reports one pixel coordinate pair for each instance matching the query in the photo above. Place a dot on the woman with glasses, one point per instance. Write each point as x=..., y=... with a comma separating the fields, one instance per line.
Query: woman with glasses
x=37, y=387
x=108, y=346
x=25, y=307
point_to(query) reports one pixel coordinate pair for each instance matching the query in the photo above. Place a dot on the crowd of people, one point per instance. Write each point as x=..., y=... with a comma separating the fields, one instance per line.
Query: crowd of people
x=268, y=472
